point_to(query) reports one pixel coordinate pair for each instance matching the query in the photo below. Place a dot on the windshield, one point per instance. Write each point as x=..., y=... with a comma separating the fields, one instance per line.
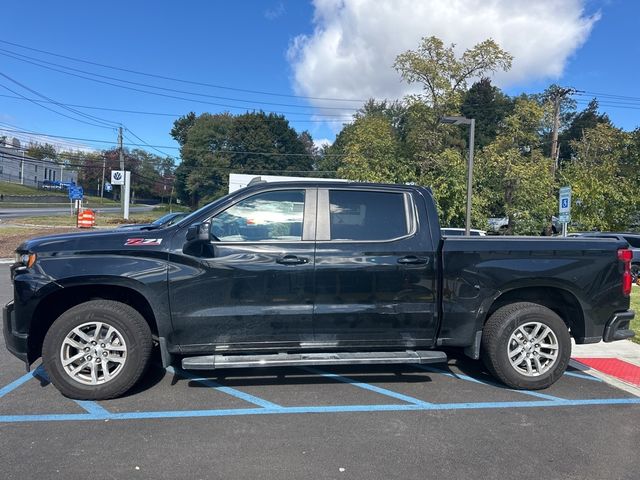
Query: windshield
x=189, y=218
x=164, y=219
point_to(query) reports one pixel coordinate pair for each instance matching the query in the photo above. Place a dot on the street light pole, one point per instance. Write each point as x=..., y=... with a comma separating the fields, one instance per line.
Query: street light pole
x=472, y=137
x=472, y=133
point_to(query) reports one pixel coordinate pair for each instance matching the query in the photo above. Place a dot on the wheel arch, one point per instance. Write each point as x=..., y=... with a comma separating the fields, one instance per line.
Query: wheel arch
x=61, y=300
x=563, y=302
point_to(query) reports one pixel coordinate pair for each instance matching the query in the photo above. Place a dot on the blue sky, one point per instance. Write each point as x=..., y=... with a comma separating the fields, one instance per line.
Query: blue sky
x=289, y=48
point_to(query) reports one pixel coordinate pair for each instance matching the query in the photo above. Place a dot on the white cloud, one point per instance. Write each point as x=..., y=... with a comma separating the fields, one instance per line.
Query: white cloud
x=320, y=143
x=353, y=47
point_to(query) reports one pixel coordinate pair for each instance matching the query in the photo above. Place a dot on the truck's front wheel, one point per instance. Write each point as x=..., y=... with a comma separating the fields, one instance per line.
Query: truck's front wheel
x=526, y=346
x=97, y=350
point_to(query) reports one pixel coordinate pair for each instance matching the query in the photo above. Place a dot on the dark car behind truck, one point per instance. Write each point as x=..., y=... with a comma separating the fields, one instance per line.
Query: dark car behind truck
x=310, y=273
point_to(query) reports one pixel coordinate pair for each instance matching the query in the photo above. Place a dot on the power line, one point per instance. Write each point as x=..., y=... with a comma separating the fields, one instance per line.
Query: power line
x=105, y=123
x=222, y=87
x=145, y=143
x=52, y=110
x=611, y=95
x=33, y=161
x=165, y=95
x=39, y=62
x=230, y=151
x=162, y=114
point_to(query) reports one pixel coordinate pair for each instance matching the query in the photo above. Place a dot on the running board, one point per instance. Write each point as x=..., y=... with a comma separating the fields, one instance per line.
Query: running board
x=210, y=362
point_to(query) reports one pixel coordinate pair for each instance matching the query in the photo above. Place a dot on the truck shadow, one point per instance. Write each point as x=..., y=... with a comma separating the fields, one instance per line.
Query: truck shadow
x=283, y=376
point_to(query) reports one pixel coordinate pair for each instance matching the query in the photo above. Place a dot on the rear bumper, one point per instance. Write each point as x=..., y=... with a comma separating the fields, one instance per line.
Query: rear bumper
x=17, y=343
x=618, y=327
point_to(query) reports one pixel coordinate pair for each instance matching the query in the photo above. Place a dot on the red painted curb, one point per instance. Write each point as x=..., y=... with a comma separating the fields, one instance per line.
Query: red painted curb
x=625, y=371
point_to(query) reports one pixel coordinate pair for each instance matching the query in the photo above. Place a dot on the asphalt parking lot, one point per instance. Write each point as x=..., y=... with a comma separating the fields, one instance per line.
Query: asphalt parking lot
x=451, y=421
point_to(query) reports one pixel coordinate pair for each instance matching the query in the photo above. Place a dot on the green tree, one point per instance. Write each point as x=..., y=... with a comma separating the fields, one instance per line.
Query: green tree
x=443, y=76
x=42, y=150
x=372, y=152
x=603, y=179
x=447, y=178
x=514, y=176
x=488, y=106
x=181, y=127
x=216, y=145
x=205, y=161
x=585, y=120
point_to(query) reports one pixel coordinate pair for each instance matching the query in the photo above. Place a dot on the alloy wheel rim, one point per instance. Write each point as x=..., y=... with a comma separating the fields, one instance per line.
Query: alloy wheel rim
x=533, y=349
x=93, y=353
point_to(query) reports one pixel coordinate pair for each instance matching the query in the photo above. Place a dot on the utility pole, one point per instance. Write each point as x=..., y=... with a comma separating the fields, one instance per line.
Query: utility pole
x=556, y=96
x=171, y=195
x=104, y=164
x=122, y=187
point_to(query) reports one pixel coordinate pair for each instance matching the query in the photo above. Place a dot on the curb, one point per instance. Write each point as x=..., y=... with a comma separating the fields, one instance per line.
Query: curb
x=627, y=387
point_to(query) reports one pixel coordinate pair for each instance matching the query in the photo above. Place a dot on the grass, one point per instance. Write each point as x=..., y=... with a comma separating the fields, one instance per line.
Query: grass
x=12, y=236
x=102, y=219
x=635, y=305
x=8, y=188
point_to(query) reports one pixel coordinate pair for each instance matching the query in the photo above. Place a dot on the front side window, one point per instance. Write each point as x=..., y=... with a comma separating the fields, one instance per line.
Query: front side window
x=365, y=215
x=269, y=216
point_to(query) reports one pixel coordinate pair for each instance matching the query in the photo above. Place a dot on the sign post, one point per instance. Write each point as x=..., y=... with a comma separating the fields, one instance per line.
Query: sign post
x=76, y=195
x=127, y=190
x=564, y=214
x=123, y=178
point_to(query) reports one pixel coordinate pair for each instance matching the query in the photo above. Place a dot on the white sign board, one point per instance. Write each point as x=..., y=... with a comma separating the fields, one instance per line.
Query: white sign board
x=117, y=177
x=239, y=180
x=565, y=205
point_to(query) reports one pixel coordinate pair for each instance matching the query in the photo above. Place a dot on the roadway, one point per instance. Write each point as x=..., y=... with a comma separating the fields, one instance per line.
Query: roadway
x=46, y=211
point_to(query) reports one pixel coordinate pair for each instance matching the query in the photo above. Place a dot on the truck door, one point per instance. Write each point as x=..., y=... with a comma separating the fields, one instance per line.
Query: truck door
x=375, y=271
x=252, y=284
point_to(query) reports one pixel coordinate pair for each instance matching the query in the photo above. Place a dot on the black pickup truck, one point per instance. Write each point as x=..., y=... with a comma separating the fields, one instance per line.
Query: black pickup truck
x=317, y=273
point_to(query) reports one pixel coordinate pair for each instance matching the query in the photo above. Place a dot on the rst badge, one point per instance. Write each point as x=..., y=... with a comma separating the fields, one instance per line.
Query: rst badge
x=135, y=242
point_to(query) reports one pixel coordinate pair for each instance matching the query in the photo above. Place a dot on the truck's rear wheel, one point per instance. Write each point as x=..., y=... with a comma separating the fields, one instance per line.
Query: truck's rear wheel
x=97, y=350
x=526, y=346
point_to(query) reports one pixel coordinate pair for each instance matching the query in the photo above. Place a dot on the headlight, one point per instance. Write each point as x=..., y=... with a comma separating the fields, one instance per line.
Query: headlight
x=26, y=259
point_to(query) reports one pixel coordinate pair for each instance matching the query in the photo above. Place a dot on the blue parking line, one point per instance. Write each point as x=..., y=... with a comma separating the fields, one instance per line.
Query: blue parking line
x=489, y=384
x=15, y=384
x=89, y=406
x=584, y=376
x=367, y=386
x=228, y=390
x=323, y=409
x=93, y=408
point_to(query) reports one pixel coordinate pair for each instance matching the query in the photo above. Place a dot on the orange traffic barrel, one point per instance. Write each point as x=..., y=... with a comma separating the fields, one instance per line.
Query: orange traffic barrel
x=86, y=218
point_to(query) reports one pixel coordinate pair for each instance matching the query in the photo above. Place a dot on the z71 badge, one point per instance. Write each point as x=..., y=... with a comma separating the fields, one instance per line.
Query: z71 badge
x=135, y=242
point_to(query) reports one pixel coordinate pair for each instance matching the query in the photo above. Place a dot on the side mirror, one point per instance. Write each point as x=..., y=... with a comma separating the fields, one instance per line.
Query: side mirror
x=199, y=231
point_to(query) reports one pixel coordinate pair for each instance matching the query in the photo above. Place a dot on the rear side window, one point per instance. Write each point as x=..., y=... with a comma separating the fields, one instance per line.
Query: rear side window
x=633, y=241
x=362, y=215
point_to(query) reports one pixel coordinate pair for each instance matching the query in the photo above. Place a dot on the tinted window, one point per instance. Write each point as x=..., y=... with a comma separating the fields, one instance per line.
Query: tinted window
x=633, y=241
x=367, y=215
x=263, y=217
x=449, y=233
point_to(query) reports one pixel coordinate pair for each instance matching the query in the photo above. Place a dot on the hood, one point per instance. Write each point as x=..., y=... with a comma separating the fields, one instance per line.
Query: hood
x=106, y=240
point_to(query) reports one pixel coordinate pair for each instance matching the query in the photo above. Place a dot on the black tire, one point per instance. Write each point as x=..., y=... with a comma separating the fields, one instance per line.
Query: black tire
x=497, y=339
x=134, y=334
